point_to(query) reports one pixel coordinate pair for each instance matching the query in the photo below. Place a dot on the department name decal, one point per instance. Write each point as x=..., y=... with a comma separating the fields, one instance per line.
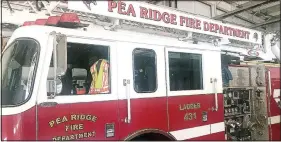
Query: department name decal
x=74, y=130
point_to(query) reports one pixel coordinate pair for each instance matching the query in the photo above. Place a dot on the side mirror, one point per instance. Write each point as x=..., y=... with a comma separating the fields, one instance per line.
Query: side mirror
x=60, y=52
x=60, y=62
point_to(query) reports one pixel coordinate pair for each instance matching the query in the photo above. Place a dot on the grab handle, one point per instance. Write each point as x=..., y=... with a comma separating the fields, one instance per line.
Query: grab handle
x=214, y=81
x=126, y=83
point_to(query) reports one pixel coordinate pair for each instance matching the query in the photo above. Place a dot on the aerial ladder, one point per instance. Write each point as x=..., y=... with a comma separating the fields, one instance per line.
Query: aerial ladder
x=15, y=13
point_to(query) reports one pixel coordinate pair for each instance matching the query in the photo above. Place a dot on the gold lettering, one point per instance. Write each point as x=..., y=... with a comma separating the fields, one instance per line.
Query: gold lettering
x=73, y=117
x=75, y=136
x=55, y=139
x=198, y=105
x=94, y=118
x=58, y=121
x=67, y=138
x=80, y=136
x=51, y=123
x=62, y=138
x=180, y=106
x=67, y=128
x=190, y=116
x=88, y=117
x=72, y=137
x=85, y=135
x=64, y=119
x=74, y=127
x=90, y=134
x=80, y=126
x=189, y=106
x=82, y=117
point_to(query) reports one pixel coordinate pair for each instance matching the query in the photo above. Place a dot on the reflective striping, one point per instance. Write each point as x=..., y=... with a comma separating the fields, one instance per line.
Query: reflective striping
x=194, y=132
x=191, y=132
x=276, y=93
x=217, y=127
x=274, y=119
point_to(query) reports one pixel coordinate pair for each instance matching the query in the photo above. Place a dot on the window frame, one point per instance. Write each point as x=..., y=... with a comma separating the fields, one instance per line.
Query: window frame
x=201, y=73
x=206, y=54
x=109, y=70
x=133, y=69
x=34, y=74
x=71, y=99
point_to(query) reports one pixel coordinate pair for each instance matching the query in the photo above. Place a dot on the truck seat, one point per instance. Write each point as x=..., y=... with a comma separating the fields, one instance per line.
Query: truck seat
x=79, y=77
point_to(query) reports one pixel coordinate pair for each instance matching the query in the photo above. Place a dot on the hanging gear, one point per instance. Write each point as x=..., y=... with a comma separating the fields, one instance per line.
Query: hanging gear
x=99, y=72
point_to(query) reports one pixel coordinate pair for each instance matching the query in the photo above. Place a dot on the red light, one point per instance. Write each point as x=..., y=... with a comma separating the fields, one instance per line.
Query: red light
x=69, y=18
x=53, y=20
x=40, y=21
x=28, y=23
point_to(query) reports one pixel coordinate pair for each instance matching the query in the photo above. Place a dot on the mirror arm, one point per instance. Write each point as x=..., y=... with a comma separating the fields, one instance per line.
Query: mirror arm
x=55, y=69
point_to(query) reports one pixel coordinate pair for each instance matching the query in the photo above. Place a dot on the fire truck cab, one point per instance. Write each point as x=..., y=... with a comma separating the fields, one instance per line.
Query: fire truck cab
x=161, y=87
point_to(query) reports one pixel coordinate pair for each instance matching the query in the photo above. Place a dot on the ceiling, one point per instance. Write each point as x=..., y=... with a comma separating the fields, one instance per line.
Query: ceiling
x=263, y=15
x=266, y=11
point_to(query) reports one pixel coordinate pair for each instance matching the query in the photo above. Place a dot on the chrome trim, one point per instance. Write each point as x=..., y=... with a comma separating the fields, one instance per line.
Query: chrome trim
x=268, y=101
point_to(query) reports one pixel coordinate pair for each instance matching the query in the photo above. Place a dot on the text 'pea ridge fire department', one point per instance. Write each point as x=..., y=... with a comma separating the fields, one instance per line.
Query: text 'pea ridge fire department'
x=129, y=70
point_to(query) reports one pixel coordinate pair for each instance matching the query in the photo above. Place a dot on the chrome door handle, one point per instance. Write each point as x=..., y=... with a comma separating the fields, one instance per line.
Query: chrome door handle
x=216, y=94
x=48, y=104
x=126, y=83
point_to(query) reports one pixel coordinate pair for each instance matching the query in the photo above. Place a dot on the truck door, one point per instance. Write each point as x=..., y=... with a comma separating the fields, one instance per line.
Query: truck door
x=141, y=90
x=193, y=80
x=73, y=113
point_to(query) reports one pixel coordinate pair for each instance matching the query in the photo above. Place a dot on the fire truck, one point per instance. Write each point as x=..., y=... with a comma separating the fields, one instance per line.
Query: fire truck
x=172, y=76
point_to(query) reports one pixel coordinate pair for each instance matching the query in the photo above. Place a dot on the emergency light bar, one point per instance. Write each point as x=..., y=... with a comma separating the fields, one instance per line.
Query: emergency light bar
x=53, y=20
x=66, y=20
x=40, y=21
x=28, y=23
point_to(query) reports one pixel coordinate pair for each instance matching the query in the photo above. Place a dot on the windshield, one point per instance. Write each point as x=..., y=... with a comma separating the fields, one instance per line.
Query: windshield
x=18, y=64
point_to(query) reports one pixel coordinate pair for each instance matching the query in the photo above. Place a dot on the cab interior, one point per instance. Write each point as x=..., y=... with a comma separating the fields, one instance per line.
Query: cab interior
x=80, y=58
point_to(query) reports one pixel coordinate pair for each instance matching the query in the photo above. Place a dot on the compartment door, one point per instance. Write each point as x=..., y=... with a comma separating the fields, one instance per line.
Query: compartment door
x=191, y=94
x=141, y=89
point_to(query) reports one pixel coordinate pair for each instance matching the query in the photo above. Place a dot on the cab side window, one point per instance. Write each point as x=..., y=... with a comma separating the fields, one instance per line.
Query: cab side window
x=144, y=67
x=88, y=71
x=185, y=71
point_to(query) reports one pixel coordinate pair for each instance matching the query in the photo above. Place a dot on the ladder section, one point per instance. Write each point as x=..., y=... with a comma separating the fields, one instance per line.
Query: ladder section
x=32, y=10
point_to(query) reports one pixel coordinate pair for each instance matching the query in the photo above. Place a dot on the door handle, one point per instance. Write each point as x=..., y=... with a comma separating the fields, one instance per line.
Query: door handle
x=216, y=94
x=126, y=83
x=48, y=104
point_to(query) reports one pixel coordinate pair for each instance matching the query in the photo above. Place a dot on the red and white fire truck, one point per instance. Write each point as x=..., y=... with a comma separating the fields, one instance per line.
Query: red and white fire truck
x=172, y=76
